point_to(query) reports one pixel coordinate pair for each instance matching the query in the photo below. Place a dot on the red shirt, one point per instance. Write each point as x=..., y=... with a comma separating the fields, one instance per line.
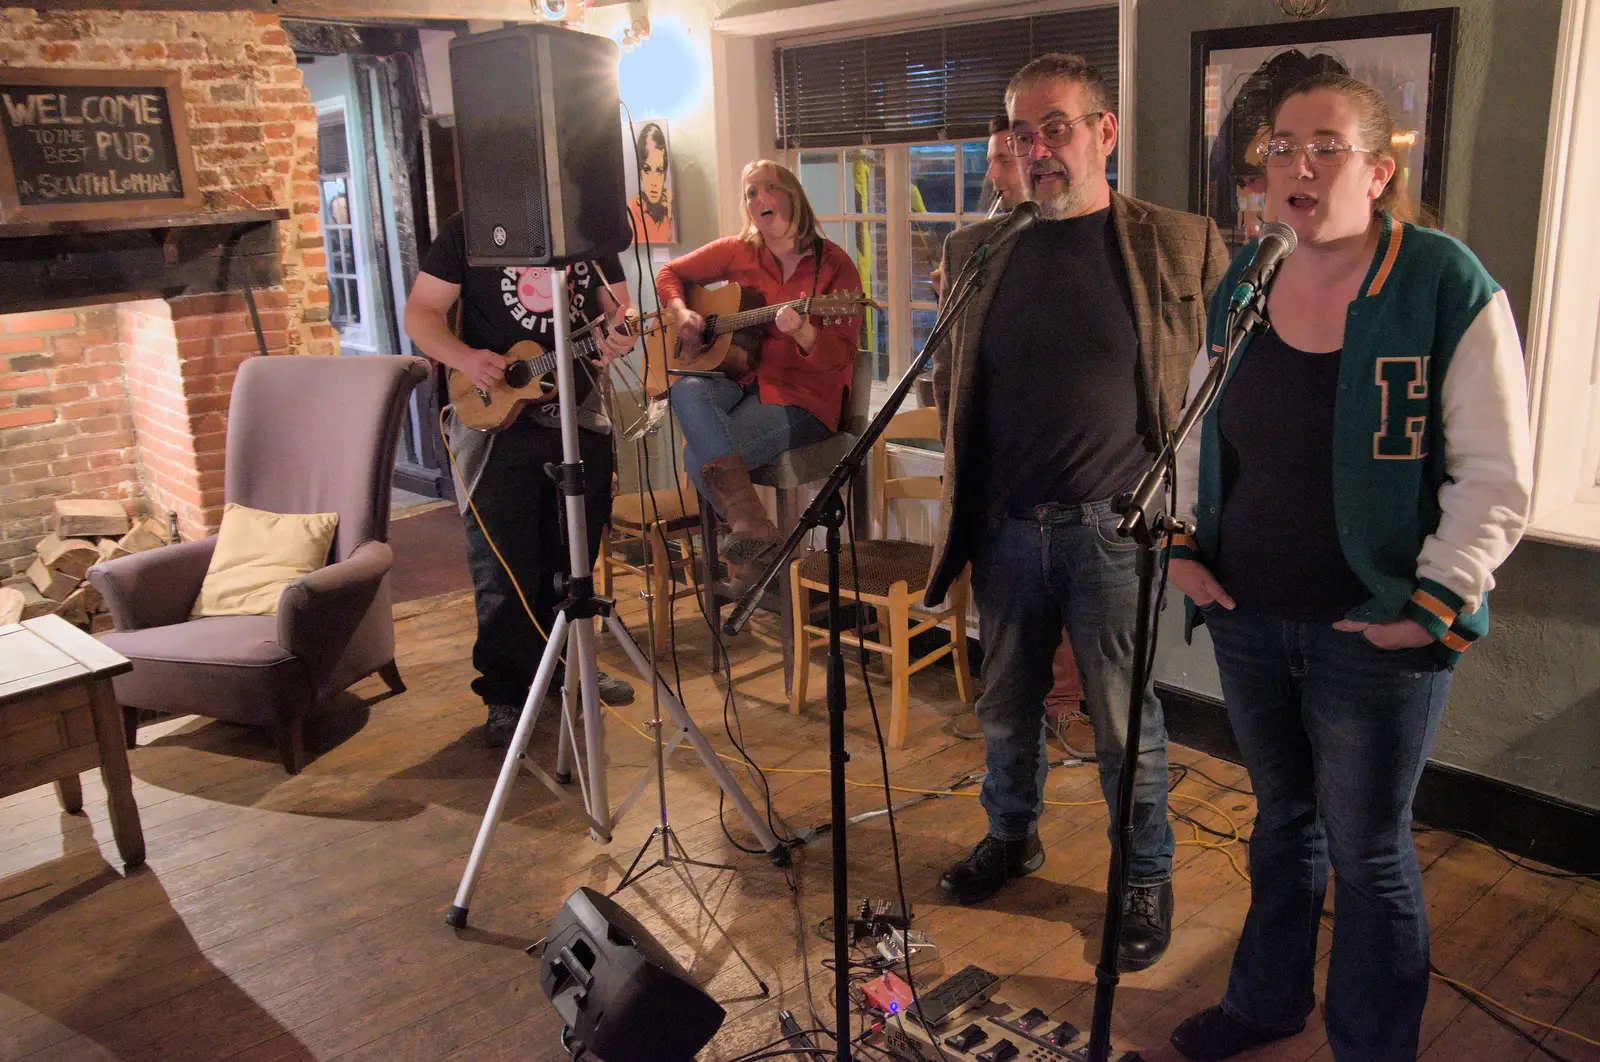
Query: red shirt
x=788, y=376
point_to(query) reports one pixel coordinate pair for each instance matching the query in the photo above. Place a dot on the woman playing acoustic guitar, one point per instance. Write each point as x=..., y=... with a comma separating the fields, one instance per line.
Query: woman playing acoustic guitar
x=795, y=393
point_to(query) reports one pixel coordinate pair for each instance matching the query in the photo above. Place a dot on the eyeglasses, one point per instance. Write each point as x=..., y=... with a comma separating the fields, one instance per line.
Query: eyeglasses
x=1321, y=152
x=1054, y=134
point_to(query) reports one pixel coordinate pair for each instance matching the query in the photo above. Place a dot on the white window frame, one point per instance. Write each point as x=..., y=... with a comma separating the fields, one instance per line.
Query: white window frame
x=1564, y=330
x=897, y=218
x=360, y=339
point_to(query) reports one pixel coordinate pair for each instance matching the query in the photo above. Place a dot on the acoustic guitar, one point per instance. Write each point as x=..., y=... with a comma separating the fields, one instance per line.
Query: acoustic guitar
x=733, y=331
x=530, y=379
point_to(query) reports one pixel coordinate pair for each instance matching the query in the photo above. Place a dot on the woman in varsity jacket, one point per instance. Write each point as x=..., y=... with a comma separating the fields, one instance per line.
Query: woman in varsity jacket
x=1365, y=470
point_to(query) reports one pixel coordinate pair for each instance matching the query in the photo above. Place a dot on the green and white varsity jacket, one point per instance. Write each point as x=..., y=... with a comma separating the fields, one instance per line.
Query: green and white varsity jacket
x=1433, y=466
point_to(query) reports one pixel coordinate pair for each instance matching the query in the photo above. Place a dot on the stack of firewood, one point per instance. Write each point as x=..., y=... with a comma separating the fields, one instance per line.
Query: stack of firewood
x=87, y=532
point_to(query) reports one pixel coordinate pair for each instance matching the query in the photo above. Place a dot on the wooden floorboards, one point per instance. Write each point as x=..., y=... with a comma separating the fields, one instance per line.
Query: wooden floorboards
x=303, y=918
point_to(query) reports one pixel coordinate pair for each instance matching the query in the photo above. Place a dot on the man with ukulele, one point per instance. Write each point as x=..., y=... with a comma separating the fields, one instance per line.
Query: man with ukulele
x=503, y=473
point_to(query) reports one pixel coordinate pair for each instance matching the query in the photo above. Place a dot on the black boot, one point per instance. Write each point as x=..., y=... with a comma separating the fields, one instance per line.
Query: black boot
x=1146, y=926
x=502, y=724
x=1214, y=1034
x=990, y=865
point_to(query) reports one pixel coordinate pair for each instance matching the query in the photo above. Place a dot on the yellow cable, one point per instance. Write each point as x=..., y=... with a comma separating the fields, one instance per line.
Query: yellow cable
x=973, y=794
x=490, y=539
x=1514, y=1013
x=1218, y=846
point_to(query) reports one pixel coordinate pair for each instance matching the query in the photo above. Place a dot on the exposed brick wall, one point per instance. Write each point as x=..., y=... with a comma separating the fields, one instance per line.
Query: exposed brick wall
x=251, y=123
x=66, y=423
x=253, y=132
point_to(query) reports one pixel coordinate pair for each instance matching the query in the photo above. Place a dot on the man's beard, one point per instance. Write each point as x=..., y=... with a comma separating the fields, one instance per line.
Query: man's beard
x=1064, y=202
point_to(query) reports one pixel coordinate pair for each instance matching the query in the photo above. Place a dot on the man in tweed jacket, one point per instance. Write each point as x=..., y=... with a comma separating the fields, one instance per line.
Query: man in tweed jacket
x=1056, y=384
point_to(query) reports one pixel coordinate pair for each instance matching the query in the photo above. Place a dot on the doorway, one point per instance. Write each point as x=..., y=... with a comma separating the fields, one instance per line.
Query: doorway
x=380, y=203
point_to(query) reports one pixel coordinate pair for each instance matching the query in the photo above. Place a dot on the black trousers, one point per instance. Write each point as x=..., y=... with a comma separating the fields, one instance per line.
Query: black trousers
x=523, y=512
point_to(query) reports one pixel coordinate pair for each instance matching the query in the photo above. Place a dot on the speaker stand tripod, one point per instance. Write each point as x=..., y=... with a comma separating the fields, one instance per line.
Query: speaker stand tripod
x=574, y=629
x=673, y=856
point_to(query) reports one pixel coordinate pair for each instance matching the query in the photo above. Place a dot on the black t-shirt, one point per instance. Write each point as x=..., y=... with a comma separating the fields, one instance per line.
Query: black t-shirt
x=503, y=305
x=1060, y=414
x=1279, y=546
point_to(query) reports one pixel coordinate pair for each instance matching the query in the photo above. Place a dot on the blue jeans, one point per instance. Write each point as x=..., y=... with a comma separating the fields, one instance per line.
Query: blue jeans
x=1335, y=732
x=718, y=417
x=1030, y=577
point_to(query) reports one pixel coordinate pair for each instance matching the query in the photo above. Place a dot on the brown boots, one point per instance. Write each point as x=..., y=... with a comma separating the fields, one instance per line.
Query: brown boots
x=752, y=532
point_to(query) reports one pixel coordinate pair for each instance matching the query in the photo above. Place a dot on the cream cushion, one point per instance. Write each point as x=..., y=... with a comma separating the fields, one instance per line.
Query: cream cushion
x=257, y=555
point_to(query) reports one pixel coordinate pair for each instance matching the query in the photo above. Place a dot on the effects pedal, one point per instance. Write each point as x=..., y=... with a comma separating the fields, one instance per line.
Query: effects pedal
x=894, y=944
x=956, y=993
x=903, y=1047
x=1051, y=1046
x=967, y=1038
x=1002, y=1051
x=887, y=994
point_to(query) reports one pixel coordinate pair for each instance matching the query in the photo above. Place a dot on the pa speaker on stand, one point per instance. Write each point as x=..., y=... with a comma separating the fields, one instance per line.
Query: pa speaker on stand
x=537, y=146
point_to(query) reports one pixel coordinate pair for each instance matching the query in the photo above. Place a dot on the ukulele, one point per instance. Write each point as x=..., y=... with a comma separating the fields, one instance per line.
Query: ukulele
x=733, y=331
x=530, y=379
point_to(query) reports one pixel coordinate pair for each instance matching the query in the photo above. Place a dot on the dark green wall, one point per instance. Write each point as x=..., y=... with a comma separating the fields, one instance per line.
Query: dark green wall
x=1526, y=703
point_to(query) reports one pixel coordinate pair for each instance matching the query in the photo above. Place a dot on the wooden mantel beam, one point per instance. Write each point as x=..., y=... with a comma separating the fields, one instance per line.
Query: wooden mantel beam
x=371, y=10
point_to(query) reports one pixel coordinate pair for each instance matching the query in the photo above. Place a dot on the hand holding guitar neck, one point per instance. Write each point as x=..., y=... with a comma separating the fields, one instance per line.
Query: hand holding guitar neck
x=794, y=326
x=616, y=336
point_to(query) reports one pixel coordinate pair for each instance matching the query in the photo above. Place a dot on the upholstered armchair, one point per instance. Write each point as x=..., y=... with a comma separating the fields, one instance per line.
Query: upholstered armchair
x=305, y=435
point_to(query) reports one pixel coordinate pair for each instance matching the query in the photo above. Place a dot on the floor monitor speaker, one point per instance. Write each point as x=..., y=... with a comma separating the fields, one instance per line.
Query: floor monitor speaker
x=621, y=994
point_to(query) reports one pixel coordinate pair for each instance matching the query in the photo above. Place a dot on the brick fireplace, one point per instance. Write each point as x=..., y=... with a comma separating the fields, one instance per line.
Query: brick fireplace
x=119, y=341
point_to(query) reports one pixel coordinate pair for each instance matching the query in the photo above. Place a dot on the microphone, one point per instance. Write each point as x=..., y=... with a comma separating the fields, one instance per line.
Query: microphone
x=1025, y=214
x=1277, y=243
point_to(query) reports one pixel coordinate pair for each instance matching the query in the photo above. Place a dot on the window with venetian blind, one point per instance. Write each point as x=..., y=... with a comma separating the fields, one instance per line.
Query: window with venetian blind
x=888, y=134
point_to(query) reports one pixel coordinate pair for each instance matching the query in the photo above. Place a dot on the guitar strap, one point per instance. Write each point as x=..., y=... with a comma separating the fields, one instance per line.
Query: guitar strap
x=816, y=261
x=440, y=373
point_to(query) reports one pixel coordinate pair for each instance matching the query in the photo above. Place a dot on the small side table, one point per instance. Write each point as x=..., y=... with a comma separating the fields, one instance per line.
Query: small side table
x=59, y=717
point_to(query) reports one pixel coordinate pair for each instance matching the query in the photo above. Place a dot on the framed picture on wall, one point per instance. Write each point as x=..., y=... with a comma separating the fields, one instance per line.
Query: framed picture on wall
x=1239, y=75
x=647, y=162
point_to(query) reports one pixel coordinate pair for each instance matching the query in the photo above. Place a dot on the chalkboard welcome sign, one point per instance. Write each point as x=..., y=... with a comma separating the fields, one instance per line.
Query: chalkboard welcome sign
x=80, y=144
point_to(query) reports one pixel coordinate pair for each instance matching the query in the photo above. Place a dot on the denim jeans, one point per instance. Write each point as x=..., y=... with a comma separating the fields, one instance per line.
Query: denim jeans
x=1030, y=577
x=1335, y=732
x=718, y=417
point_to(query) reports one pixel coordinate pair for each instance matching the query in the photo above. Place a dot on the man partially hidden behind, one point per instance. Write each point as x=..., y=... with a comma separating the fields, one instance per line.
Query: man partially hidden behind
x=1005, y=170
x=504, y=475
x=1054, y=389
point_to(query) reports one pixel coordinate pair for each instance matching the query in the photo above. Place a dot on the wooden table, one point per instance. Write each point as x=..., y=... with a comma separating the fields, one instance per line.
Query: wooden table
x=58, y=717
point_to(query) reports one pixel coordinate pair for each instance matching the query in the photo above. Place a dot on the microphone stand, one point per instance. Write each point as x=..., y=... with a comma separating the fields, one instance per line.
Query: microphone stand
x=827, y=510
x=1144, y=518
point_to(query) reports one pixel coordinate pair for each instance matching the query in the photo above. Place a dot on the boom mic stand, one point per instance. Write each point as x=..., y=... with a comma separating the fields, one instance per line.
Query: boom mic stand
x=574, y=618
x=1145, y=519
x=827, y=511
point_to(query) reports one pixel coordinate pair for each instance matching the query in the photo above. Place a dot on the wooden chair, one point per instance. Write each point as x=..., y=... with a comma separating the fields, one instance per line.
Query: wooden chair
x=893, y=577
x=672, y=514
